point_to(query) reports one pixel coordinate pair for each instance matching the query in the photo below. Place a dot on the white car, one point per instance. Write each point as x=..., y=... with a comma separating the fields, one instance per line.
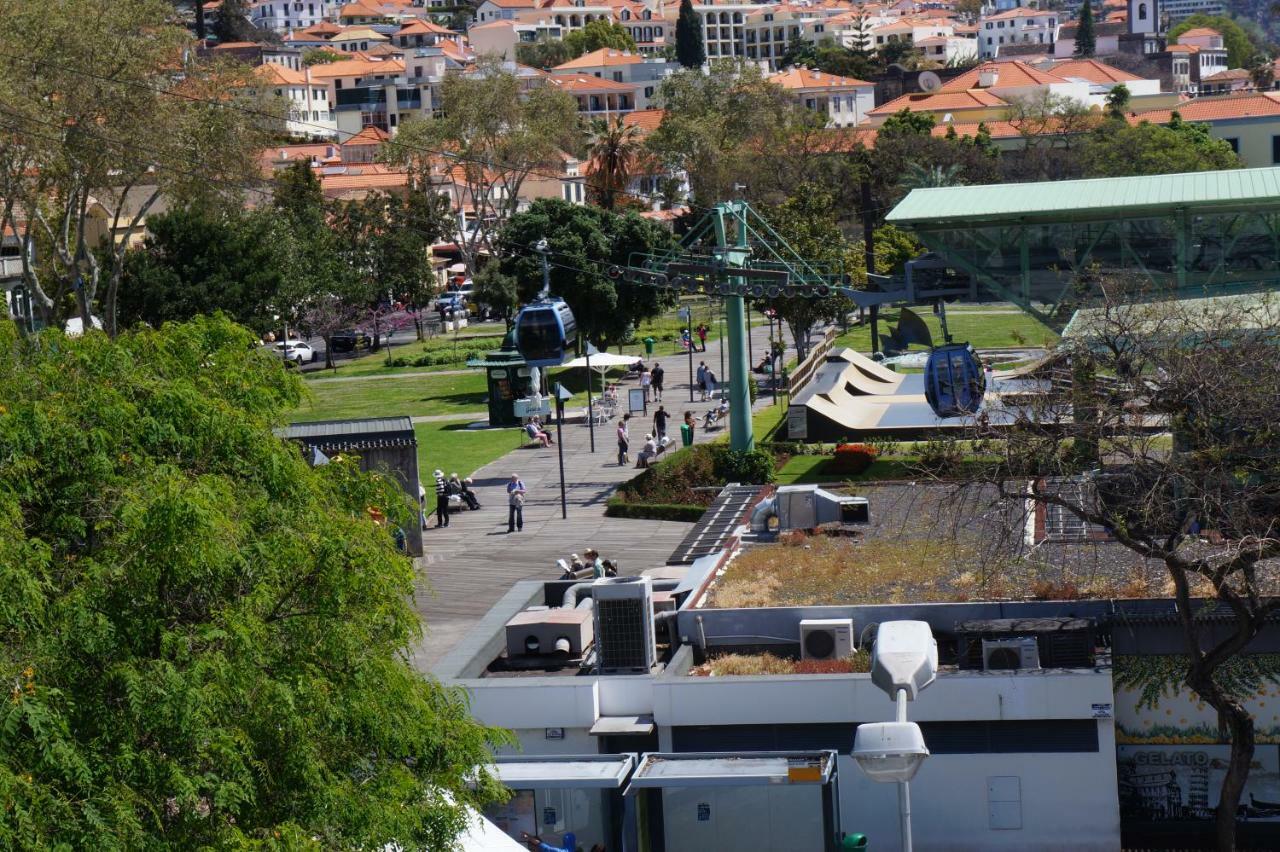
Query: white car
x=295, y=351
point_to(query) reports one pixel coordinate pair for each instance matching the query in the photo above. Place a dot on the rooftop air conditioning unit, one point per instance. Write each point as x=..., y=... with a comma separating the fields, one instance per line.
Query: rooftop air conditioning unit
x=1022, y=652
x=826, y=638
x=624, y=633
x=540, y=631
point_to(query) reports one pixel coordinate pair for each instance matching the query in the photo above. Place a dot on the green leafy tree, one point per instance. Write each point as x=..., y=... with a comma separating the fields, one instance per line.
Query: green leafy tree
x=906, y=122
x=500, y=134
x=1086, y=37
x=1118, y=150
x=613, y=149
x=197, y=260
x=690, y=50
x=231, y=23
x=807, y=221
x=321, y=56
x=1237, y=42
x=544, y=53
x=919, y=176
x=599, y=34
x=206, y=639
x=496, y=290
x=584, y=241
x=94, y=136
x=721, y=127
x=1118, y=100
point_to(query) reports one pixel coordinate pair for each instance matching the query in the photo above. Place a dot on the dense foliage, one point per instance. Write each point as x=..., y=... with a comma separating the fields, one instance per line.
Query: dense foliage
x=205, y=637
x=690, y=50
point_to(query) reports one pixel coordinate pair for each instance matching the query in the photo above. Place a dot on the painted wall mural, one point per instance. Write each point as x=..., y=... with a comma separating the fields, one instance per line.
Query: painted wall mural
x=1160, y=783
x=1154, y=707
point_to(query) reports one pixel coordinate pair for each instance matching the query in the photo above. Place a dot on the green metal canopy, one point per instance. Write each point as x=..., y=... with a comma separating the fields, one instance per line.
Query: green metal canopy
x=1053, y=247
x=1098, y=198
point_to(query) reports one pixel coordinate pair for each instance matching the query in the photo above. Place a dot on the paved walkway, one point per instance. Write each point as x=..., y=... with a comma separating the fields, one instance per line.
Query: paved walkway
x=474, y=561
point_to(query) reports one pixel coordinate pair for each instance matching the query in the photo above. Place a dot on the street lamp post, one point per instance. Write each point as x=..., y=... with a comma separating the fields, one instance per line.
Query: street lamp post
x=686, y=315
x=904, y=661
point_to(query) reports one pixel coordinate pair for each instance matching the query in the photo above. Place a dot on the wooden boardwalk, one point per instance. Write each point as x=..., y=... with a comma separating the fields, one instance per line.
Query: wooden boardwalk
x=473, y=562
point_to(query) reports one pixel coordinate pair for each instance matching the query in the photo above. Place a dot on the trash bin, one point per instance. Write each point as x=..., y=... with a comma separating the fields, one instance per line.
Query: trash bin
x=686, y=435
x=648, y=346
x=854, y=841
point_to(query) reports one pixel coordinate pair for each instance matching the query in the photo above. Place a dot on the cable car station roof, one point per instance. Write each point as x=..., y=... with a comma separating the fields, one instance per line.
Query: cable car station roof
x=1098, y=198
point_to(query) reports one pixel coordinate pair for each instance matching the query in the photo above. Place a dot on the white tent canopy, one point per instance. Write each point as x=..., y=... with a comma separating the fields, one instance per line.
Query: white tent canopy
x=602, y=361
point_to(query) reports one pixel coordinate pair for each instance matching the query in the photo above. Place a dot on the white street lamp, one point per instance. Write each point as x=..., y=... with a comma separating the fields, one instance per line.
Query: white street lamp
x=904, y=660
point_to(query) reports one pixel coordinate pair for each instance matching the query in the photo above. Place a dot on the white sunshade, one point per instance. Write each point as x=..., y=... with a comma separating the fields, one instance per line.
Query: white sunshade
x=602, y=361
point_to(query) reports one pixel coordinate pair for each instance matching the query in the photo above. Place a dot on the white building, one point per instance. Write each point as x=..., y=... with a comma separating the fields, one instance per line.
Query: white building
x=724, y=28
x=844, y=100
x=310, y=108
x=1016, y=26
x=644, y=74
x=283, y=15
x=947, y=50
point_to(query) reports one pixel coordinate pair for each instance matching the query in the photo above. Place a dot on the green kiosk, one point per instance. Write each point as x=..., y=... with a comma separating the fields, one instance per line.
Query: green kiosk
x=508, y=381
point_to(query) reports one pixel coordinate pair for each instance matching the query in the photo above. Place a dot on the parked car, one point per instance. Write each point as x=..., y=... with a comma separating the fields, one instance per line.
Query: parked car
x=295, y=352
x=353, y=340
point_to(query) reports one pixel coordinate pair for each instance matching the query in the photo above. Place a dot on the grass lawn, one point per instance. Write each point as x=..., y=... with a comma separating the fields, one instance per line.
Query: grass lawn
x=414, y=396
x=984, y=331
x=767, y=419
x=453, y=447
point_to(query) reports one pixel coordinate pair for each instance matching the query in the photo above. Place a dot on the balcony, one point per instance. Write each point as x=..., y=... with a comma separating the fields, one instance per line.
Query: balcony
x=10, y=267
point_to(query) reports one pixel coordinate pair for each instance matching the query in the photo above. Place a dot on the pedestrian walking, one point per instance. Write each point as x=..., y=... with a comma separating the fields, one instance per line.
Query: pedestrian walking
x=657, y=374
x=624, y=444
x=686, y=429
x=702, y=335
x=660, y=418
x=515, y=504
x=646, y=380
x=701, y=378
x=711, y=380
x=442, y=500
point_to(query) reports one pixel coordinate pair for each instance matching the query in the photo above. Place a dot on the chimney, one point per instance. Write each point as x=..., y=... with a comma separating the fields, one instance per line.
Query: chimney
x=988, y=77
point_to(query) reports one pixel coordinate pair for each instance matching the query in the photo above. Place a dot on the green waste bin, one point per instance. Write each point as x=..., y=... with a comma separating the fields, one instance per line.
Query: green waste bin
x=686, y=435
x=648, y=346
x=854, y=841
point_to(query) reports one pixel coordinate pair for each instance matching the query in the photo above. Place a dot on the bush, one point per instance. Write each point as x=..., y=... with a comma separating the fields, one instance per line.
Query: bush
x=443, y=357
x=616, y=508
x=941, y=456
x=749, y=467
x=753, y=388
x=673, y=480
x=851, y=459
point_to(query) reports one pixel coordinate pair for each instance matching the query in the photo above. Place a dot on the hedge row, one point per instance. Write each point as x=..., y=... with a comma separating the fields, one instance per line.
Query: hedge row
x=653, y=511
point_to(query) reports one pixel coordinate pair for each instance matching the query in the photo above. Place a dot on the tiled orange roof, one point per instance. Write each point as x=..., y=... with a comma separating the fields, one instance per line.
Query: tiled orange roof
x=235, y=45
x=1200, y=32
x=1227, y=75
x=1183, y=48
x=805, y=78
x=418, y=25
x=369, y=136
x=586, y=83
x=1093, y=71
x=940, y=101
x=350, y=182
x=1008, y=74
x=604, y=57
x=275, y=74
x=356, y=68
x=1020, y=13
x=646, y=119
x=1218, y=107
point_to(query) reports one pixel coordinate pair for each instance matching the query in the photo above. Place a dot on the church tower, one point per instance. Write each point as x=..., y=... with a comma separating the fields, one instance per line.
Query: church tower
x=1144, y=17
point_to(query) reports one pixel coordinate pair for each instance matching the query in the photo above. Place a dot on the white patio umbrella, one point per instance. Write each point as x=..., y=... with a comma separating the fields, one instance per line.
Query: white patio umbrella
x=602, y=361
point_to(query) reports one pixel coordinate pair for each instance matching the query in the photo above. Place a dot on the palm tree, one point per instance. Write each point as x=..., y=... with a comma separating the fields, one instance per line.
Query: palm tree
x=918, y=176
x=612, y=151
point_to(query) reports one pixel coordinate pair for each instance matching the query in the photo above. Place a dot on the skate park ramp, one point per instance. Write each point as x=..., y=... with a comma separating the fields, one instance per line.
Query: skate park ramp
x=853, y=397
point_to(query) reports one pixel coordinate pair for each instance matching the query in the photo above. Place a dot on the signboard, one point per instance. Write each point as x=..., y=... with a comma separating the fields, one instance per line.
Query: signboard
x=797, y=422
x=1163, y=783
x=1102, y=711
x=704, y=812
x=635, y=400
x=555, y=733
x=515, y=816
x=529, y=407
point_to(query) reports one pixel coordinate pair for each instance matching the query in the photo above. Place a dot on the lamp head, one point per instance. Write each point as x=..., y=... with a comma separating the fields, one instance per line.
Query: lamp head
x=905, y=656
x=889, y=751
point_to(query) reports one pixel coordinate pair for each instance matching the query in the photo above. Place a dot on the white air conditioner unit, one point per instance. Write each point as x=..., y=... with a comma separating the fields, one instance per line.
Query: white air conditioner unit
x=1008, y=654
x=826, y=638
x=624, y=633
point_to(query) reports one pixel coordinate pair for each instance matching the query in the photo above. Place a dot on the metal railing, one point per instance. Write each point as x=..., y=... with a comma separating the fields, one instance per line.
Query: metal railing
x=817, y=356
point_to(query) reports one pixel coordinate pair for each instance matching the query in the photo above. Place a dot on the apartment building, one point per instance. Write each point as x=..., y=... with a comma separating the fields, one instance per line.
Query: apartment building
x=1016, y=26
x=310, y=109
x=644, y=74
x=283, y=15
x=843, y=100
x=724, y=28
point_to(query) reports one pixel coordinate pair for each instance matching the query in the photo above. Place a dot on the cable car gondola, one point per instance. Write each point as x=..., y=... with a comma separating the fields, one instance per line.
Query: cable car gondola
x=543, y=331
x=954, y=382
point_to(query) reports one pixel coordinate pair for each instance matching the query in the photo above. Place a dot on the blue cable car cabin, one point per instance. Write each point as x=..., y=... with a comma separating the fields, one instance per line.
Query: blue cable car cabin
x=953, y=380
x=543, y=331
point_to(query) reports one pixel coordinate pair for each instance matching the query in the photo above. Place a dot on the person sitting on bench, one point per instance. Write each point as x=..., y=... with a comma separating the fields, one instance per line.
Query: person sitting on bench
x=537, y=433
x=649, y=453
x=715, y=415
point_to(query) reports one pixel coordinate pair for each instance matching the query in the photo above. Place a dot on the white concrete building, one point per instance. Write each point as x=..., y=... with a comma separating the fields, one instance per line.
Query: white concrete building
x=283, y=15
x=310, y=107
x=644, y=74
x=1016, y=26
x=844, y=100
x=724, y=28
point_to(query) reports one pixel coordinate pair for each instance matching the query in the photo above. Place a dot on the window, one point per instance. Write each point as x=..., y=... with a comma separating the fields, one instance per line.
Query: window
x=835, y=104
x=1275, y=149
x=1234, y=142
x=1142, y=11
x=990, y=25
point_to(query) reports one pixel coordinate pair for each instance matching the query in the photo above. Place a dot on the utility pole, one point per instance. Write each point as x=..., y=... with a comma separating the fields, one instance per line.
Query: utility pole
x=686, y=314
x=740, y=435
x=869, y=252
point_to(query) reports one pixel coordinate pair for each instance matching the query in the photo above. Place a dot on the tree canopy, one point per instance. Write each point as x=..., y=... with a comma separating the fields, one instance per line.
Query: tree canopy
x=1117, y=149
x=583, y=240
x=690, y=50
x=597, y=34
x=205, y=637
x=1086, y=36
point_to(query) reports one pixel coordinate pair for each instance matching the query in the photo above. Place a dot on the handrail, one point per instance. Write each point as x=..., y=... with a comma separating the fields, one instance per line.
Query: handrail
x=817, y=356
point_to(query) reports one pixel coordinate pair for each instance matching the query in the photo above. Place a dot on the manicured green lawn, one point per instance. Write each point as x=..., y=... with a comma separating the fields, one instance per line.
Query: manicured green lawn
x=984, y=331
x=411, y=395
x=454, y=448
